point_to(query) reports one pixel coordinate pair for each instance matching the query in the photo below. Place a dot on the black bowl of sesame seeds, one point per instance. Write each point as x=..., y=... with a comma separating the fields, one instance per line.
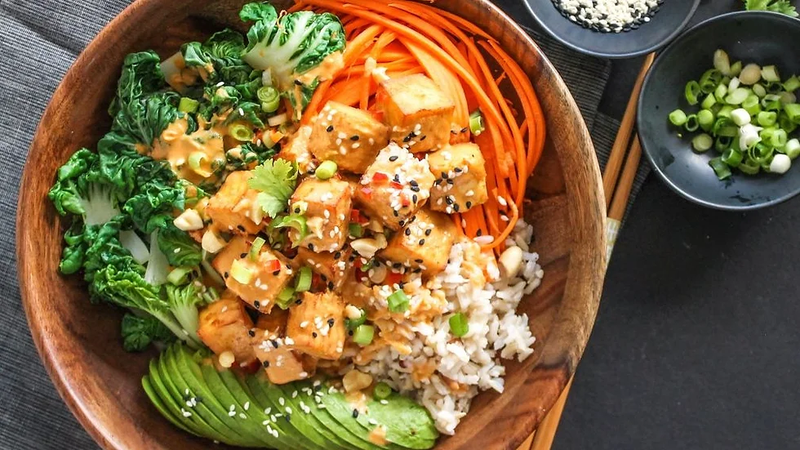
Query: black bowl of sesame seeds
x=613, y=28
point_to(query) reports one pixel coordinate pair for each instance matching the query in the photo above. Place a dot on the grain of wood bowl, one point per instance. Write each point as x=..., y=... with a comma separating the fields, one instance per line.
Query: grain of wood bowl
x=79, y=341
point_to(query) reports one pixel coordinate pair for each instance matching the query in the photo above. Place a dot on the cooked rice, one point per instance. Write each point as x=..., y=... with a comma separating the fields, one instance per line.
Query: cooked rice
x=474, y=361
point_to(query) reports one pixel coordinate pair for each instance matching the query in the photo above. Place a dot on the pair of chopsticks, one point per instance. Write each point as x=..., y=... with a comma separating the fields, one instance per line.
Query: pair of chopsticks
x=617, y=184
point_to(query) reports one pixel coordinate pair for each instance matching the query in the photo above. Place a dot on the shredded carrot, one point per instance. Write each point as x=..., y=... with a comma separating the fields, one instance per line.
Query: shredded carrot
x=405, y=37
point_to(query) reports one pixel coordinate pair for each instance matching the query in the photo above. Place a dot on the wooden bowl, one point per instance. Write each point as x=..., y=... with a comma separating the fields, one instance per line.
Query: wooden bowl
x=79, y=342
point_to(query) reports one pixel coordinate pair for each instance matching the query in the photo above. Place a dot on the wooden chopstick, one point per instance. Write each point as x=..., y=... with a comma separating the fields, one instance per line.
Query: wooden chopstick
x=617, y=195
x=617, y=155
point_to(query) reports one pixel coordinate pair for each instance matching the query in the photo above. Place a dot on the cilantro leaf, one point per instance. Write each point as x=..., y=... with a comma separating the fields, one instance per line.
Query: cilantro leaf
x=779, y=6
x=275, y=180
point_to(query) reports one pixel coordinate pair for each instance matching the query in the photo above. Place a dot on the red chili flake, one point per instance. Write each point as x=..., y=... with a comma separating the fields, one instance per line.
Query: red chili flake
x=380, y=177
x=273, y=266
x=396, y=185
x=393, y=278
x=355, y=215
x=367, y=192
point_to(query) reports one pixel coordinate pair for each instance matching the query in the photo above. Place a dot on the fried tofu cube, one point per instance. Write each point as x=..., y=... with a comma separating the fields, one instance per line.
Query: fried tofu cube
x=333, y=267
x=281, y=364
x=460, y=172
x=424, y=243
x=258, y=282
x=296, y=149
x=224, y=326
x=419, y=114
x=234, y=208
x=326, y=206
x=347, y=136
x=395, y=186
x=316, y=325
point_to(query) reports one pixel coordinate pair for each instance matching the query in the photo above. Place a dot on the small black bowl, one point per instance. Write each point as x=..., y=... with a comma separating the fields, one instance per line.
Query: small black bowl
x=761, y=37
x=665, y=25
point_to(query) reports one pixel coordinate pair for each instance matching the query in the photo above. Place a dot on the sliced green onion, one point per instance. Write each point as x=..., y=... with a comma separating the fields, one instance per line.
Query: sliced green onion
x=269, y=98
x=459, y=325
x=770, y=73
x=240, y=272
x=710, y=80
x=723, y=143
x=774, y=88
x=179, y=275
x=724, y=126
x=382, y=391
x=352, y=324
x=749, y=167
x=363, y=335
x=725, y=111
x=355, y=230
x=706, y=119
x=677, y=117
x=210, y=295
x=326, y=170
x=767, y=118
x=368, y=265
x=731, y=157
x=778, y=138
x=736, y=68
x=240, y=132
x=751, y=105
x=759, y=90
x=792, y=148
x=692, y=91
x=792, y=111
x=786, y=123
x=720, y=92
x=792, y=84
x=691, y=124
x=297, y=222
x=709, y=101
x=720, y=168
x=188, y=105
x=737, y=96
x=771, y=102
x=196, y=160
x=476, y=122
x=255, y=249
x=303, y=281
x=285, y=298
x=702, y=142
x=398, y=301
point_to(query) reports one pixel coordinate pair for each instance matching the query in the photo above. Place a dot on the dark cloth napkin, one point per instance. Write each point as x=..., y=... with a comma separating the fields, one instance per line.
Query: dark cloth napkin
x=40, y=40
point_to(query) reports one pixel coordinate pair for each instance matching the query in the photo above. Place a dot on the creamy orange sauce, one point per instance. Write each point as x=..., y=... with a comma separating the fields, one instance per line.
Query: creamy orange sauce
x=175, y=146
x=378, y=436
x=357, y=400
x=326, y=70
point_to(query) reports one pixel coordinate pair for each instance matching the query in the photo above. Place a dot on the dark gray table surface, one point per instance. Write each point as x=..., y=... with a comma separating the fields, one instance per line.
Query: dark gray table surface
x=695, y=345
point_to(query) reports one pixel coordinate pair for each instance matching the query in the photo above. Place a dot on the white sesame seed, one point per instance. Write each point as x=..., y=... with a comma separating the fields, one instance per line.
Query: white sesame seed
x=246, y=406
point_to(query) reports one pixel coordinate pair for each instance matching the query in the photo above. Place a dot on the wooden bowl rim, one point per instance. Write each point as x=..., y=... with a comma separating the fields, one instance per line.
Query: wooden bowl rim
x=88, y=412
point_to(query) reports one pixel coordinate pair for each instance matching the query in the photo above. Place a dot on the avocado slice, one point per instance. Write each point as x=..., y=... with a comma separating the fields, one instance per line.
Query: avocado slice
x=323, y=419
x=161, y=407
x=170, y=393
x=238, y=433
x=267, y=393
x=302, y=420
x=408, y=425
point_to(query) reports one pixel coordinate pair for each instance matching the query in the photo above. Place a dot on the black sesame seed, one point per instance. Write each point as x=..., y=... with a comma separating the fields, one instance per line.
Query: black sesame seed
x=401, y=285
x=422, y=242
x=457, y=170
x=288, y=417
x=329, y=129
x=299, y=301
x=408, y=232
x=393, y=158
x=240, y=228
x=251, y=332
x=337, y=255
x=297, y=210
x=311, y=247
x=480, y=232
x=330, y=322
x=350, y=332
x=354, y=137
x=396, y=214
x=413, y=183
x=415, y=188
x=448, y=200
x=418, y=261
x=455, y=207
x=469, y=205
x=396, y=178
x=355, y=414
x=314, y=335
x=444, y=175
x=402, y=223
x=450, y=181
x=274, y=343
x=423, y=137
x=276, y=273
x=414, y=198
x=330, y=285
x=397, y=265
x=243, y=255
x=225, y=275
x=298, y=82
x=408, y=138
x=428, y=232
x=265, y=364
x=324, y=278
x=464, y=130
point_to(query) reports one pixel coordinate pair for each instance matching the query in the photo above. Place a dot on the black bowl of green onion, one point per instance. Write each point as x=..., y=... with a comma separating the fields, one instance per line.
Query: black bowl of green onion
x=719, y=117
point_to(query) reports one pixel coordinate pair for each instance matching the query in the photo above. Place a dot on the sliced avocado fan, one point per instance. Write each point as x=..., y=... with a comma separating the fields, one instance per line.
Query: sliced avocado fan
x=198, y=397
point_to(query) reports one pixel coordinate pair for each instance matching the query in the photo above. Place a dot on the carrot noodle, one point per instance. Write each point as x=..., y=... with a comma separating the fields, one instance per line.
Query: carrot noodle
x=406, y=37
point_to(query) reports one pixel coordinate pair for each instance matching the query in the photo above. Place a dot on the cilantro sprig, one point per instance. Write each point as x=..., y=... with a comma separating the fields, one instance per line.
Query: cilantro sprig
x=780, y=6
x=275, y=180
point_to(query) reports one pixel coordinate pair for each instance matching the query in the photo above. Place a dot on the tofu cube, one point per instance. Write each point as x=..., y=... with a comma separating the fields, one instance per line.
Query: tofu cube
x=316, y=325
x=257, y=282
x=296, y=149
x=418, y=113
x=332, y=267
x=234, y=208
x=424, y=243
x=281, y=364
x=395, y=186
x=460, y=172
x=347, y=136
x=224, y=326
x=326, y=206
